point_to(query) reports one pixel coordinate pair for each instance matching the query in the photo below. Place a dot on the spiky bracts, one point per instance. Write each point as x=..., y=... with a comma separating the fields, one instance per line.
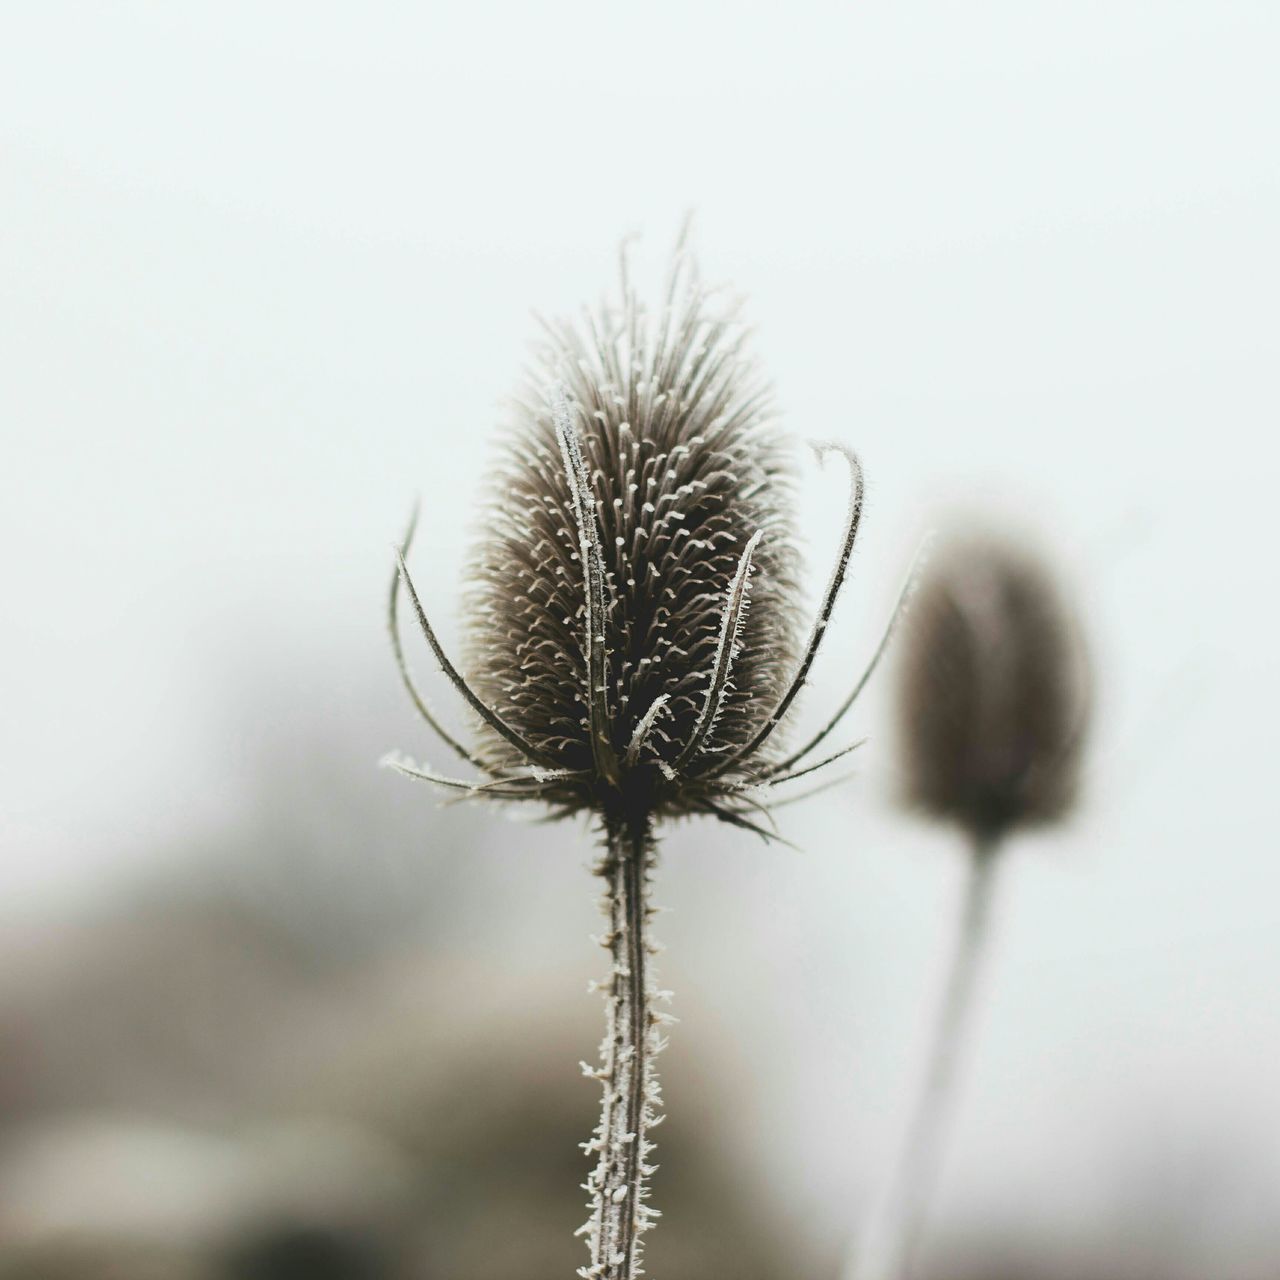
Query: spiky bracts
x=618, y=1184
x=631, y=620
x=633, y=599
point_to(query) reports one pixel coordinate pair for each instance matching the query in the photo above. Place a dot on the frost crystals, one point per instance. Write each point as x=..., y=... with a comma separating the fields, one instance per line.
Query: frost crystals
x=630, y=1105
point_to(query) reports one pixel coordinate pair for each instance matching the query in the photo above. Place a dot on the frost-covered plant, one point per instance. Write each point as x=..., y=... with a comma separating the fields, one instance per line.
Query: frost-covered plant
x=633, y=642
x=993, y=704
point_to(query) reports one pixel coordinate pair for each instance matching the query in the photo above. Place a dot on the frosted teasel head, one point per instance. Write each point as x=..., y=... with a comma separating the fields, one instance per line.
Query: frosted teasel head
x=633, y=638
x=993, y=690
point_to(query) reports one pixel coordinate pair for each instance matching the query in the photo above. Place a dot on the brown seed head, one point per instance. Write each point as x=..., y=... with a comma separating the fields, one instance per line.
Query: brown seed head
x=683, y=468
x=632, y=634
x=993, y=696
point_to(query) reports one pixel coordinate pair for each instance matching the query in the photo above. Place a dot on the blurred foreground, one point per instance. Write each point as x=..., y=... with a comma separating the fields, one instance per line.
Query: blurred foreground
x=306, y=1052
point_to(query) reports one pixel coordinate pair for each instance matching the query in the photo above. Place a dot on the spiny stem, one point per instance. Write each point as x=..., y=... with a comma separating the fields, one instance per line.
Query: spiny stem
x=889, y=1251
x=617, y=1185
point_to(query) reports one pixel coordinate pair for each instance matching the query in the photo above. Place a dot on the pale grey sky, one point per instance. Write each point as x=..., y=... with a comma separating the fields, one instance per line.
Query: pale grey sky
x=266, y=272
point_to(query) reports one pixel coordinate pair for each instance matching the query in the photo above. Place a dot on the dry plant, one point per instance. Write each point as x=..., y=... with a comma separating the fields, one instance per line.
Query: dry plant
x=993, y=706
x=633, y=643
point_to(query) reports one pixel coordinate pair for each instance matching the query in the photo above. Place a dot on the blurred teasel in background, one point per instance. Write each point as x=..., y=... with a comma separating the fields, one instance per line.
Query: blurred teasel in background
x=993, y=692
x=993, y=703
x=634, y=641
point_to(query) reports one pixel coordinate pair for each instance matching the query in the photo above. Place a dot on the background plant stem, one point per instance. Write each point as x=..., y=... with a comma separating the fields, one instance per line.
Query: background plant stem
x=889, y=1249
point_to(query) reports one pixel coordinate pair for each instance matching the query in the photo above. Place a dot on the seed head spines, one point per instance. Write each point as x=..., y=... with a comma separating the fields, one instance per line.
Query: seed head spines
x=631, y=622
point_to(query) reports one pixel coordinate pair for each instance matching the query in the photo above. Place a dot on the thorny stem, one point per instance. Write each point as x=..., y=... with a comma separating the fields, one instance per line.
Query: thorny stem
x=617, y=1185
x=889, y=1251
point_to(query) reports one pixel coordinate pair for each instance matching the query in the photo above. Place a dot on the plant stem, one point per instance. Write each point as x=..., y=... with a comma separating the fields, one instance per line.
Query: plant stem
x=889, y=1252
x=617, y=1185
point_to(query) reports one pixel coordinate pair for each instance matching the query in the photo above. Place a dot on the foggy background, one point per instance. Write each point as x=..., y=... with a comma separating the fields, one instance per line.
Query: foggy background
x=266, y=273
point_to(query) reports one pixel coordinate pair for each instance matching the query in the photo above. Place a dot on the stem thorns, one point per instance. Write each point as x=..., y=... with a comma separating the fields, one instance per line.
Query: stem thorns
x=617, y=1185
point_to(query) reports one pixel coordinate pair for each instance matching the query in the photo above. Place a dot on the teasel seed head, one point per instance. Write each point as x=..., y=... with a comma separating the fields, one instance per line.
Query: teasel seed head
x=993, y=690
x=633, y=642
x=633, y=638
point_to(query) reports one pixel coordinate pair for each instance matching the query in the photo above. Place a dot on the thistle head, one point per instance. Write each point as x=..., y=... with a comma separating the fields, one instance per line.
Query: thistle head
x=993, y=695
x=632, y=636
x=633, y=603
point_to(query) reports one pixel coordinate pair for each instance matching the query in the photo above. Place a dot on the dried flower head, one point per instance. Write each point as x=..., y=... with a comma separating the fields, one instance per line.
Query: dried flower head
x=632, y=628
x=993, y=694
